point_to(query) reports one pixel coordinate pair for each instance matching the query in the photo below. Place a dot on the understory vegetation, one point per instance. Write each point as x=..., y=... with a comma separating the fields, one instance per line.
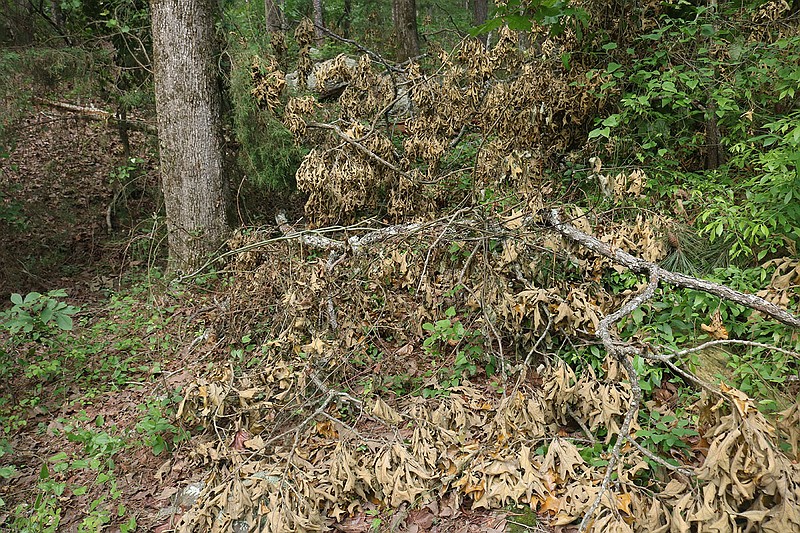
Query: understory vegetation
x=403, y=330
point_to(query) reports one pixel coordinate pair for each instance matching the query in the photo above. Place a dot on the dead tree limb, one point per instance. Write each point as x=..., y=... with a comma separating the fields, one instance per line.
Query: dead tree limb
x=673, y=278
x=100, y=115
x=355, y=243
x=623, y=352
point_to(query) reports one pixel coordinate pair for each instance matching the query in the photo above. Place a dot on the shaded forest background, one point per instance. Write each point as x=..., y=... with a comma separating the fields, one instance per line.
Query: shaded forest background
x=397, y=334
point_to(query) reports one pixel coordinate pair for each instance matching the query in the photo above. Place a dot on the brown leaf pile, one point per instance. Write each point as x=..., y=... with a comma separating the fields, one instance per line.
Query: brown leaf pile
x=287, y=451
x=487, y=451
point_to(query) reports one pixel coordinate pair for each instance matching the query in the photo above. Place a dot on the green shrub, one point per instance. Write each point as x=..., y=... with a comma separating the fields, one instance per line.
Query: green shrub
x=267, y=152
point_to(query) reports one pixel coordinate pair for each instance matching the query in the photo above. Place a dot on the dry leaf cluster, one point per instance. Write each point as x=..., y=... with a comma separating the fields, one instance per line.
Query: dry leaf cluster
x=484, y=451
x=312, y=435
x=298, y=444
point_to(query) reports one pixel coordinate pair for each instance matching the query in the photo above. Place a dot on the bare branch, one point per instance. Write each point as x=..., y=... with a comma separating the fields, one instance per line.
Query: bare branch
x=622, y=354
x=680, y=280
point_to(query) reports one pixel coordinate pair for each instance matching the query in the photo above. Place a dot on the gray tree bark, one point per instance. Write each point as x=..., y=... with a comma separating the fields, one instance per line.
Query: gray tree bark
x=189, y=125
x=319, y=22
x=404, y=15
x=480, y=11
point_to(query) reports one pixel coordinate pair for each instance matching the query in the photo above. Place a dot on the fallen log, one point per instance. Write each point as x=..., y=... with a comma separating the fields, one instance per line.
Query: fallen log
x=100, y=115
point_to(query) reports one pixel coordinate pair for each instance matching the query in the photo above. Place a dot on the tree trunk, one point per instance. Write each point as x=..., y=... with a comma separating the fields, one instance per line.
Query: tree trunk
x=58, y=17
x=346, y=16
x=22, y=26
x=189, y=125
x=480, y=11
x=404, y=15
x=319, y=22
x=274, y=16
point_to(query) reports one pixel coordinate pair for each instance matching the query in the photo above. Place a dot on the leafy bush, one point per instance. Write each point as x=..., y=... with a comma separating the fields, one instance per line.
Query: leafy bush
x=449, y=337
x=267, y=152
x=37, y=316
x=713, y=109
x=762, y=213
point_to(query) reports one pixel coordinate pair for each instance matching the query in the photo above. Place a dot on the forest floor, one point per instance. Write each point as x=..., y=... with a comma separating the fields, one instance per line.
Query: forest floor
x=89, y=434
x=287, y=393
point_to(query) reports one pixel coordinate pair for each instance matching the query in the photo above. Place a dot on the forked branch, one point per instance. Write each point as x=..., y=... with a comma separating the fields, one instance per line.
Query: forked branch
x=624, y=352
x=673, y=278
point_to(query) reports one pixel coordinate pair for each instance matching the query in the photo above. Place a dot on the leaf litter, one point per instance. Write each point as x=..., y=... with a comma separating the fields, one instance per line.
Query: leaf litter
x=309, y=438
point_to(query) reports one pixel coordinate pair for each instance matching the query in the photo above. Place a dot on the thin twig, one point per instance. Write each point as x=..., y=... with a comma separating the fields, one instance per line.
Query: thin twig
x=584, y=428
x=653, y=457
x=718, y=342
x=374, y=55
x=434, y=245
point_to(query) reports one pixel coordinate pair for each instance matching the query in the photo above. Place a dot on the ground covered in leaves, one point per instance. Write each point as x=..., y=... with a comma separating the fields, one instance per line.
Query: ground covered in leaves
x=374, y=384
x=421, y=382
x=442, y=374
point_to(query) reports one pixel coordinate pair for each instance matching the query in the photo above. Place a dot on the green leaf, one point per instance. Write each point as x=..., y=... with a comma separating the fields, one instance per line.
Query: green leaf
x=31, y=297
x=16, y=299
x=600, y=132
x=611, y=121
x=64, y=322
x=59, y=457
x=486, y=27
x=518, y=23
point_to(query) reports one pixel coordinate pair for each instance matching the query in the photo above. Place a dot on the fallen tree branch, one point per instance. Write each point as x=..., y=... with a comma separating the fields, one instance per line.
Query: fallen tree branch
x=622, y=354
x=355, y=243
x=679, y=280
x=100, y=115
x=366, y=151
x=719, y=342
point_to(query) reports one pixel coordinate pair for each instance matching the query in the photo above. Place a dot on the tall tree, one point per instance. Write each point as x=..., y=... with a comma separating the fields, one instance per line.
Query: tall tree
x=319, y=21
x=404, y=15
x=274, y=16
x=21, y=24
x=188, y=104
x=480, y=11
